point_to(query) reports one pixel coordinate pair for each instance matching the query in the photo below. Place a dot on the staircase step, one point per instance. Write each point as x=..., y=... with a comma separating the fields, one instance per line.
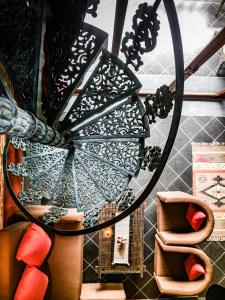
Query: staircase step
x=111, y=81
x=125, y=120
x=88, y=195
x=45, y=183
x=83, y=51
x=121, y=154
x=20, y=35
x=65, y=192
x=41, y=163
x=110, y=181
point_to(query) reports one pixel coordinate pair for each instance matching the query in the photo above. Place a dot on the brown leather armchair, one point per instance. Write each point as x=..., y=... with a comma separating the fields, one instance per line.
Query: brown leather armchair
x=64, y=264
x=172, y=226
x=169, y=270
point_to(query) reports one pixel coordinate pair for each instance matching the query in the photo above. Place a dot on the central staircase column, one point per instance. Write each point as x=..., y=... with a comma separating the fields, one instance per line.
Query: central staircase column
x=16, y=122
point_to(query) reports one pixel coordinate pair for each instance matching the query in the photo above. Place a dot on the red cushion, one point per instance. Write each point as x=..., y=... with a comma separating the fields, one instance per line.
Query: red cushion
x=193, y=267
x=34, y=246
x=195, y=217
x=32, y=286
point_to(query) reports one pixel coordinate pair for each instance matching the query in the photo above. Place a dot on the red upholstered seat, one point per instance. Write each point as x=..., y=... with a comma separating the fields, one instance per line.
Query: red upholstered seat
x=32, y=286
x=34, y=246
x=193, y=267
x=195, y=217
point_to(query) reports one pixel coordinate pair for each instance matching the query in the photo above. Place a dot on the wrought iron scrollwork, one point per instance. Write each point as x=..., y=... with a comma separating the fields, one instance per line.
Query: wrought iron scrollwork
x=121, y=154
x=126, y=199
x=91, y=216
x=54, y=214
x=159, y=104
x=29, y=197
x=92, y=7
x=20, y=32
x=108, y=180
x=17, y=169
x=144, y=36
x=151, y=158
x=18, y=143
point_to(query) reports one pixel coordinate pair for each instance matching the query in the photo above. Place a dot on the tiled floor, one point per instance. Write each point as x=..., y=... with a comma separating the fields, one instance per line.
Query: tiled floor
x=198, y=25
x=177, y=175
x=201, y=122
x=192, y=129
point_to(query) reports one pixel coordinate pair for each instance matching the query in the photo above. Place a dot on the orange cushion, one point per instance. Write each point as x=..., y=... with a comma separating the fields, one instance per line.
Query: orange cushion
x=32, y=285
x=34, y=246
x=193, y=267
x=195, y=217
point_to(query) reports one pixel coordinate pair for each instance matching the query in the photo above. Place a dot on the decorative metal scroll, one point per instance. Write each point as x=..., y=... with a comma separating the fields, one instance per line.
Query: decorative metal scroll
x=110, y=82
x=63, y=24
x=18, y=143
x=143, y=39
x=92, y=7
x=20, y=36
x=83, y=51
x=17, y=169
x=35, y=149
x=54, y=214
x=91, y=216
x=159, y=104
x=37, y=164
x=46, y=182
x=29, y=197
x=126, y=120
x=152, y=157
x=83, y=177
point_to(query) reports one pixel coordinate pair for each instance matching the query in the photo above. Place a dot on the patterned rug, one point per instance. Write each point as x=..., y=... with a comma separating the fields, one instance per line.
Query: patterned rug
x=209, y=182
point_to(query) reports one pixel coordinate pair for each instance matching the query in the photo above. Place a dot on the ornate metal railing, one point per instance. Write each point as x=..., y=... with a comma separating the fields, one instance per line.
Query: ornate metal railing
x=80, y=151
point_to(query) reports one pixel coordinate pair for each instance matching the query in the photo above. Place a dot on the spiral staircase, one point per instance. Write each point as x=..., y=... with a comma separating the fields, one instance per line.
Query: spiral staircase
x=44, y=60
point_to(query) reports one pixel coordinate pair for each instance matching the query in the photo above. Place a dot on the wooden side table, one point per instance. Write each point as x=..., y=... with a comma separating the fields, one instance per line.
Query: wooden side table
x=106, y=243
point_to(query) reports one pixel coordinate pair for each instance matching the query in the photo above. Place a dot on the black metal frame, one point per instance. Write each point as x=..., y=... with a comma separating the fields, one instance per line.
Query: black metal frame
x=179, y=63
